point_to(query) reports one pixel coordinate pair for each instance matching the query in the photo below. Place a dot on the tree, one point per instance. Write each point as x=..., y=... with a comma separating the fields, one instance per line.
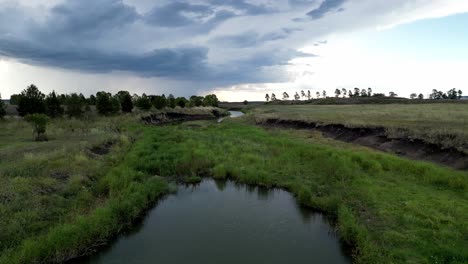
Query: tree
x=92, y=100
x=31, y=101
x=285, y=96
x=267, y=97
x=115, y=102
x=144, y=103
x=413, y=96
x=437, y=95
x=181, y=102
x=273, y=97
x=317, y=94
x=343, y=92
x=350, y=93
x=171, y=101
x=39, y=124
x=357, y=92
x=324, y=93
x=337, y=93
x=363, y=93
x=14, y=99
x=297, y=97
x=2, y=108
x=104, y=103
x=460, y=93
x=159, y=102
x=369, y=92
x=392, y=94
x=452, y=94
x=53, y=106
x=303, y=94
x=246, y=102
x=211, y=100
x=421, y=96
x=125, y=100
x=309, y=96
x=75, y=106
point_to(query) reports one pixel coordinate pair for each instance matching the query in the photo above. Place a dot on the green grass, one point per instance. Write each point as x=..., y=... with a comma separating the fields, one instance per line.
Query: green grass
x=58, y=198
x=442, y=124
x=390, y=209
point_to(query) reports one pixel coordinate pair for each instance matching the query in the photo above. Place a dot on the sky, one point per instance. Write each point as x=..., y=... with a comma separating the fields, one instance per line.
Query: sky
x=237, y=49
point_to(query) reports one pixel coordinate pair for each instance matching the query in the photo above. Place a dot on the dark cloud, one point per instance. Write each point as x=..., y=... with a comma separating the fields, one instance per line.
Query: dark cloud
x=325, y=7
x=91, y=36
x=182, y=63
x=178, y=14
x=86, y=18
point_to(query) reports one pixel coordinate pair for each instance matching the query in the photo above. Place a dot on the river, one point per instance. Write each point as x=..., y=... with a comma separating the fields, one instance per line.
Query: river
x=224, y=222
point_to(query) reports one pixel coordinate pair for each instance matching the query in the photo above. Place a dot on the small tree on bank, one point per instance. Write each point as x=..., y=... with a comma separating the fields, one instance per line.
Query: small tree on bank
x=267, y=97
x=39, y=124
x=413, y=96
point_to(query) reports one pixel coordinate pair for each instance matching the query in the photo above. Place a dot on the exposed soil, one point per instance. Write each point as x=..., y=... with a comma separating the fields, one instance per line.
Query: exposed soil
x=376, y=138
x=170, y=117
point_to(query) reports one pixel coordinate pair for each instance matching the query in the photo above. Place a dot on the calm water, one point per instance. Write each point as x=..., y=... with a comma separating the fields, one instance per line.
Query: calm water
x=222, y=222
x=234, y=114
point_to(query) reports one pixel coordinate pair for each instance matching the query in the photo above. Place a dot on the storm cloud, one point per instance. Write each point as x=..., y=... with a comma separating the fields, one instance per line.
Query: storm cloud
x=210, y=42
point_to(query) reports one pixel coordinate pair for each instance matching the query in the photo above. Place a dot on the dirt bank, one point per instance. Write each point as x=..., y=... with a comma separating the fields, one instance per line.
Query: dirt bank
x=376, y=138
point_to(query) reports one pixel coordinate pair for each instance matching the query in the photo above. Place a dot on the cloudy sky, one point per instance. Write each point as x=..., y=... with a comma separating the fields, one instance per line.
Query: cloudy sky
x=239, y=49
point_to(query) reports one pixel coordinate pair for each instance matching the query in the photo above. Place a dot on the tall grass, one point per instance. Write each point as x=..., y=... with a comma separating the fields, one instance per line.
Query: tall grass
x=392, y=210
x=441, y=124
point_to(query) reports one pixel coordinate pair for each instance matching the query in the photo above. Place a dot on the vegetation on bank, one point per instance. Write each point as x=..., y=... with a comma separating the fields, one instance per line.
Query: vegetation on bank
x=442, y=124
x=33, y=101
x=61, y=198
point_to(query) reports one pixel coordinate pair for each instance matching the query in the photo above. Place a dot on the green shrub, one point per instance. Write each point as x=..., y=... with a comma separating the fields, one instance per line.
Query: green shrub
x=39, y=123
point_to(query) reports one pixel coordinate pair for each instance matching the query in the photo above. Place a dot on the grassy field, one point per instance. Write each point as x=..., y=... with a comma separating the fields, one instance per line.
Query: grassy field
x=390, y=209
x=442, y=124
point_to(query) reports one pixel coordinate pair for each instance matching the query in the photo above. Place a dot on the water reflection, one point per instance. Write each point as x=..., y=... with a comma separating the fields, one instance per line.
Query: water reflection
x=224, y=222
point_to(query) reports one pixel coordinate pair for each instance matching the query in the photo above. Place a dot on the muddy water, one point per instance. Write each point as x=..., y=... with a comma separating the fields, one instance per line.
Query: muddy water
x=223, y=222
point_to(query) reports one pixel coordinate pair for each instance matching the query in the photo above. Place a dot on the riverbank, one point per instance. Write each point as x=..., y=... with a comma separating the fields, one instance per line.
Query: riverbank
x=391, y=210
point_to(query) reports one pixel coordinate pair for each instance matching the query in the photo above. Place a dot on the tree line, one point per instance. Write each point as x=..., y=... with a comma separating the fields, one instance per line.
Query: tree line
x=32, y=101
x=357, y=92
x=37, y=108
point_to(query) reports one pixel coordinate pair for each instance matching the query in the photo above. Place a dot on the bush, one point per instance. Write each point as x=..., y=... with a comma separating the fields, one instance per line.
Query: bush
x=144, y=103
x=39, y=123
x=159, y=102
x=181, y=101
x=211, y=100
